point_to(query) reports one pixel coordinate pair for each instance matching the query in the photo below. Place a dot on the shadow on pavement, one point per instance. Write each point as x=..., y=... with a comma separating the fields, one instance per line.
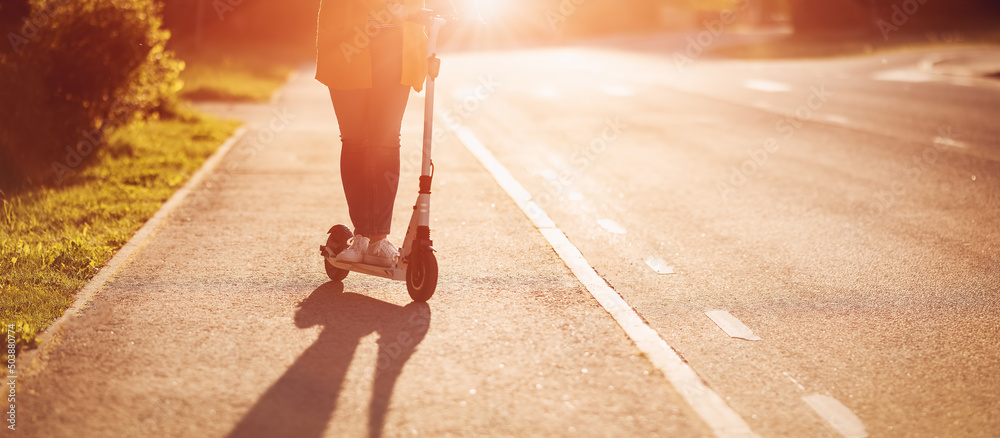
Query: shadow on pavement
x=301, y=403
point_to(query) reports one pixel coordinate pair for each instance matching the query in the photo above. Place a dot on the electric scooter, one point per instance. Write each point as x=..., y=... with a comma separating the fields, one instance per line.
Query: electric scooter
x=416, y=264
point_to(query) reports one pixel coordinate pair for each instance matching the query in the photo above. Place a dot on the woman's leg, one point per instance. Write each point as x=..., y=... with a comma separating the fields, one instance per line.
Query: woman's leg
x=385, y=116
x=352, y=116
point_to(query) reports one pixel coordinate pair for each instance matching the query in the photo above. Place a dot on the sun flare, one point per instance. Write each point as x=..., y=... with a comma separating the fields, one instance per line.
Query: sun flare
x=488, y=8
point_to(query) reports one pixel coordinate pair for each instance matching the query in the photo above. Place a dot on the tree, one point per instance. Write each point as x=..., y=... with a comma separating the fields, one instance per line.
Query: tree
x=820, y=16
x=74, y=70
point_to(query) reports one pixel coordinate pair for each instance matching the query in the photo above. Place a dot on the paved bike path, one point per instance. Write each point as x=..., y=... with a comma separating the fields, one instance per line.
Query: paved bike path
x=224, y=323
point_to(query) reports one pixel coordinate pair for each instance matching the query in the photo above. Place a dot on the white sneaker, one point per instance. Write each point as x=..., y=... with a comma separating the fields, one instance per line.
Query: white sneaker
x=382, y=253
x=356, y=252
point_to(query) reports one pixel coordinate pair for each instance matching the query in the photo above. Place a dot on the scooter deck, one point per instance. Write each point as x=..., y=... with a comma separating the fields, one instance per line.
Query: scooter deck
x=394, y=273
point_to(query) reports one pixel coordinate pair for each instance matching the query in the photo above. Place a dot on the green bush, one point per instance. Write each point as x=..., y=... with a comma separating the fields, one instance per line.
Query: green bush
x=72, y=71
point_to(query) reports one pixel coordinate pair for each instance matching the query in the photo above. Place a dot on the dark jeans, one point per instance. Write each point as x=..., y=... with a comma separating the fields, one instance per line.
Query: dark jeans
x=370, y=122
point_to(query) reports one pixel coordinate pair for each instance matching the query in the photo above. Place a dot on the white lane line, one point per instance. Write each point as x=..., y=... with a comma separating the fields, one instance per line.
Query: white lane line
x=951, y=142
x=838, y=119
x=546, y=92
x=618, y=90
x=912, y=76
x=915, y=76
x=513, y=188
x=732, y=326
x=767, y=86
x=612, y=226
x=796, y=382
x=659, y=266
x=722, y=419
x=838, y=415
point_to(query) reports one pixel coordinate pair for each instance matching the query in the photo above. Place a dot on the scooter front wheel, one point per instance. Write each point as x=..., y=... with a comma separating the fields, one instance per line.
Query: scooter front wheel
x=337, y=242
x=422, y=276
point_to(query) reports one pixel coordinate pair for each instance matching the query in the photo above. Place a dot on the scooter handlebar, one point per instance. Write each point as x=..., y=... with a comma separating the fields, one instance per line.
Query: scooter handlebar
x=427, y=17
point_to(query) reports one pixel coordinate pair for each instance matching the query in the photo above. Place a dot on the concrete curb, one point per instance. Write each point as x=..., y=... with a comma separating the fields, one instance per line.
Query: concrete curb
x=35, y=359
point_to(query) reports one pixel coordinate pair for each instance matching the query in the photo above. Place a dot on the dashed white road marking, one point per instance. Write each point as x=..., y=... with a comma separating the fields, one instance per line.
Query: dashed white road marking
x=903, y=76
x=612, y=226
x=547, y=92
x=767, y=107
x=722, y=419
x=659, y=266
x=796, y=382
x=837, y=415
x=767, y=86
x=951, y=142
x=916, y=76
x=838, y=119
x=732, y=326
x=618, y=90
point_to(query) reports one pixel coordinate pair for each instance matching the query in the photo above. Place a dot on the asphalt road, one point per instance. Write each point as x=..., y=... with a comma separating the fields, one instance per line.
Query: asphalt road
x=844, y=210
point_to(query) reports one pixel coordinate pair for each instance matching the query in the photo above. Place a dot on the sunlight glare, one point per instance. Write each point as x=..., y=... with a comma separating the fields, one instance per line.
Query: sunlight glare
x=489, y=8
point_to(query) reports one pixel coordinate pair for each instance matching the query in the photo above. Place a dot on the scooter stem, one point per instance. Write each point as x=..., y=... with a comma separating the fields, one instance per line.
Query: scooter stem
x=433, y=68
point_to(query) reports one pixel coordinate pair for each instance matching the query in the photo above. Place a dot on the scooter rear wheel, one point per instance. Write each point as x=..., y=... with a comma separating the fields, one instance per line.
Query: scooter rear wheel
x=422, y=276
x=337, y=242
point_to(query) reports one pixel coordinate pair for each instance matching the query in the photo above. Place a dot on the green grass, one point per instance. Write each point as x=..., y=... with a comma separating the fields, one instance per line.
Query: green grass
x=234, y=75
x=232, y=79
x=53, y=240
